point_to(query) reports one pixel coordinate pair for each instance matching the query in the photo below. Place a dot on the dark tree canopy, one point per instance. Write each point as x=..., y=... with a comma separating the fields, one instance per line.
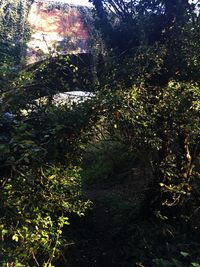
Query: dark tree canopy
x=129, y=25
x=120, y=20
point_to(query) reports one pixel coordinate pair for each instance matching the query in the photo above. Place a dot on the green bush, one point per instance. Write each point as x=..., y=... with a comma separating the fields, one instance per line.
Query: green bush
x=35, y=206
x=40, y=184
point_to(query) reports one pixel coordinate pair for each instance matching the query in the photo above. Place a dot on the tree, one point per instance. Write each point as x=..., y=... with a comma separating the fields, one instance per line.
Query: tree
x=152, y=82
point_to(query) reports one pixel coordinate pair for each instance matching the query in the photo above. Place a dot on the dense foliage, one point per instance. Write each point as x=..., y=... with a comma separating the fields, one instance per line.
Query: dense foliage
x=136, y=140
x=40, y=153
x=149, y=93
x=153, y=87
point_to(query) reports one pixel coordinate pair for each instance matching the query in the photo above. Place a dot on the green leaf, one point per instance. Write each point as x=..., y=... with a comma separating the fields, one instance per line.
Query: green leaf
x=15, y=237
x=184, y=254
x=195, y=264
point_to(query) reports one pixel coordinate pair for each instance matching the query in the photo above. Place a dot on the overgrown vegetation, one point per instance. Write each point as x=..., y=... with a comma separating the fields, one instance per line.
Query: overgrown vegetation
x=132, y=148
x=40, y=153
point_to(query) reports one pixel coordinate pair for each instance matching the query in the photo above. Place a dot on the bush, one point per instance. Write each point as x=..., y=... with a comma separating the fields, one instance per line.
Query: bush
x=36, y=206
x=40, y=184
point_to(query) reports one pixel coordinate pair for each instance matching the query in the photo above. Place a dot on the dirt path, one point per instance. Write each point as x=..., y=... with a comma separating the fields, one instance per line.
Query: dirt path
x=100, y=238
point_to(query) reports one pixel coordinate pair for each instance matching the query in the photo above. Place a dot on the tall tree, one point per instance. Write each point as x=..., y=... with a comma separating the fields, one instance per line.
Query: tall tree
x=127, y=25
x=117, y=17
x=154, y=48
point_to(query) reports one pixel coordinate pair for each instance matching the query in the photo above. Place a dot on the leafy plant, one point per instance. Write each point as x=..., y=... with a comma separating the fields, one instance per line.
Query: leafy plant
x=35, y=208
